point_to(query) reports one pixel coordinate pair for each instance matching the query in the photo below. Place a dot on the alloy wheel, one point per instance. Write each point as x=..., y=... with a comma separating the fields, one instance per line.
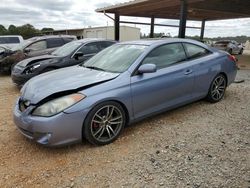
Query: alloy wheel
x=218, y=88
x=106, y=123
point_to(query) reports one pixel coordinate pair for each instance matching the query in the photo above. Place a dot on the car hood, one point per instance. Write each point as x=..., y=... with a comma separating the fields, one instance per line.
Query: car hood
x=70, y=79
x=33, y=60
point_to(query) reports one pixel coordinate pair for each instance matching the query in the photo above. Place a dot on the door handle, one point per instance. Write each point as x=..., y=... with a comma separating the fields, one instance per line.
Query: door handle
x=187, y=72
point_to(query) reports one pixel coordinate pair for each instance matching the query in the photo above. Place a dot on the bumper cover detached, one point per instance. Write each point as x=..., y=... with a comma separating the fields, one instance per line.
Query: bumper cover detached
x=58, y=130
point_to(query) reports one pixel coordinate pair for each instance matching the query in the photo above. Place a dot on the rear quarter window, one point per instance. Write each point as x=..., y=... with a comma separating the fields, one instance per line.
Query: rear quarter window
x=195, y=51
x=106, y=44
x=66, y=40
x=54, y=42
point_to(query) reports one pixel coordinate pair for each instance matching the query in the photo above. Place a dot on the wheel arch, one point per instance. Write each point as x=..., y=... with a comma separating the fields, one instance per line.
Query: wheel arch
x=124, y=107
x=224, y=74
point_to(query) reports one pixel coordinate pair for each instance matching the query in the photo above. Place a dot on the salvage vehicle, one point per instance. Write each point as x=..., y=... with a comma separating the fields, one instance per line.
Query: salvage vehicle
x=72, y=53
x=4, y=52
x=231, y=47
x=33, y=47
x=11, y=41
x=120, y=85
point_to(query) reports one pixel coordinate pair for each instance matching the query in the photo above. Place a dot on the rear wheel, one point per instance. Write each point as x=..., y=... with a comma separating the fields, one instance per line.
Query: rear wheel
x=217, y=89
x=241, y=52
x=104, y=123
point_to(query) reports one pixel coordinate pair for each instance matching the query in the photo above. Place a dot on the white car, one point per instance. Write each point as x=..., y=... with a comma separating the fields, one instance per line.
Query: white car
x=231, y=47
x=11, y=41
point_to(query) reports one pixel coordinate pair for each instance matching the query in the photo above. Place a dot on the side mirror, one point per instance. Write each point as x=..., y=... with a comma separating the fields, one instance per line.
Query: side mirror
x=147, y=68
x=78, y=54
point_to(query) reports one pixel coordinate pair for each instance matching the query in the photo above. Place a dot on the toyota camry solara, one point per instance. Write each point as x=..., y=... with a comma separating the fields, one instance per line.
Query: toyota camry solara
x=120, y=85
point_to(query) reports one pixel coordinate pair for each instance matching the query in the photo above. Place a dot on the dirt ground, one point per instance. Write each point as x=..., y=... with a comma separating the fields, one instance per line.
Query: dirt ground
x=198, y=145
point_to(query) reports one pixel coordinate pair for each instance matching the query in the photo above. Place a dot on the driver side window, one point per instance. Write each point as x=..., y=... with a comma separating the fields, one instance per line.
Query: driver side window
x=40, y=45
x=88, y=49
x=166, y=55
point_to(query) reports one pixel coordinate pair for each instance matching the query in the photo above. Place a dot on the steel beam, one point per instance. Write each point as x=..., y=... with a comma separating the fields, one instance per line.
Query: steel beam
x=152, y=25
x=202, y=29
x=183, y=19
x=117, y=27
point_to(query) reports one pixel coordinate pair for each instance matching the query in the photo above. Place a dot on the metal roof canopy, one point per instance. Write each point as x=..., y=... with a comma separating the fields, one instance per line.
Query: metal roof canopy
x=198, y=10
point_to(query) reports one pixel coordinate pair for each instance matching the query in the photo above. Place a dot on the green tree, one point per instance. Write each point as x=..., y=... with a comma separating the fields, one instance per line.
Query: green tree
x=3, y=30
x=27, y=31
x=46, y=29
x=12, y=30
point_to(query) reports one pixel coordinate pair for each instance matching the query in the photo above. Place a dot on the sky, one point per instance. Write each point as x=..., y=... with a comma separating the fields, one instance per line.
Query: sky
x=71, y=14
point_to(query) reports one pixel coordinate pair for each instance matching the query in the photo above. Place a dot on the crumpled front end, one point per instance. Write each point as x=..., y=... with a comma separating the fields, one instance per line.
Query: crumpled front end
x=7, y=62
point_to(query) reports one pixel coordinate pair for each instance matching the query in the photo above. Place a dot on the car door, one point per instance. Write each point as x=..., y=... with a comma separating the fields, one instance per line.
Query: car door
x=205, y=67
x=172, y=84
x=36, y=48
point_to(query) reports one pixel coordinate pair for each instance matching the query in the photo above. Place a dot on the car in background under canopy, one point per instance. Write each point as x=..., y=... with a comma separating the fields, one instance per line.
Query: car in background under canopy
x=32, y=47
x=231, y=47
x=70, y=54
x=120, y=85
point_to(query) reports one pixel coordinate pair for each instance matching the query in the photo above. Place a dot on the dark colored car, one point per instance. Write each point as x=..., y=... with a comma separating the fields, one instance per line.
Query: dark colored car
x=70, y=54
x=33, y=47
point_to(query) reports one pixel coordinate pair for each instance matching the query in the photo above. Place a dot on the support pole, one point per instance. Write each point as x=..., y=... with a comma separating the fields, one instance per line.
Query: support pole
x=117, y=27
x=152, y=25
x=202, y=29
x=183, y=19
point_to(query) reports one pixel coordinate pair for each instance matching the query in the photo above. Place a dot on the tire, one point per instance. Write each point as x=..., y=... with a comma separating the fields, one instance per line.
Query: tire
x=104, y=123
x=217, y=89
x=241, y=52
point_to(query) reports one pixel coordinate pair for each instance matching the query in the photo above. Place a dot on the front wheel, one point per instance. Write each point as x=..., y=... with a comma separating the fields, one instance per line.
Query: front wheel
x=217, y=89
x=104, y=123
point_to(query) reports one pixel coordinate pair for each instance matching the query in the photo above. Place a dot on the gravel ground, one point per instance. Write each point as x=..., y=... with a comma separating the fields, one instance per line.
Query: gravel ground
x=198, y=145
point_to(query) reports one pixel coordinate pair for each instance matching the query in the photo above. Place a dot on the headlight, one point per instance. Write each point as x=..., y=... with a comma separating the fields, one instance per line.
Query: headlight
x=31, y=68
x=55, y=106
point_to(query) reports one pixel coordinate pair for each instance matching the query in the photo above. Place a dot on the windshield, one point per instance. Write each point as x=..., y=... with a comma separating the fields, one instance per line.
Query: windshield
x=116, y=58
x=67, y=49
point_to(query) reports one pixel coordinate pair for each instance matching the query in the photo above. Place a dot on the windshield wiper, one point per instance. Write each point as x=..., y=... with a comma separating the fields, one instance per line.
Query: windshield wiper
x=95, y=68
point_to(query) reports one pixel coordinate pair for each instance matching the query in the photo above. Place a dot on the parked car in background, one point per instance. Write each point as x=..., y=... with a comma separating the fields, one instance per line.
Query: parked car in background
x=231, y=47
x=120, y=85
x=4, y=52
x=11, y=41
x=34, y=47
x=73, y=53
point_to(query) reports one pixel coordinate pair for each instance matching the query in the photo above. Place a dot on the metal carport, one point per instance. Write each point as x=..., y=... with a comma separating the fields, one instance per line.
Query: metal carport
x=197, y=10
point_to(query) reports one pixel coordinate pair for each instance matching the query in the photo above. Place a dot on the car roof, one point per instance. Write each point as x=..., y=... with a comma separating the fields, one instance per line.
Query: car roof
x=19, y=36
x=93, y=40
x=155, y=42
x=50, y=36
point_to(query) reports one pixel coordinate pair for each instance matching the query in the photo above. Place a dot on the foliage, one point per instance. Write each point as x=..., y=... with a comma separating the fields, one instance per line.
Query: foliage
x=26, y=31
x=46, y=29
